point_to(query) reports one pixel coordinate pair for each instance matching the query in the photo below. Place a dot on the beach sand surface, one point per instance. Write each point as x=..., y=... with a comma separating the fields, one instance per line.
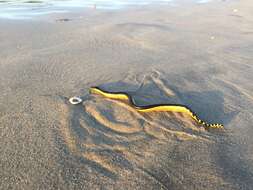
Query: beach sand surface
x=199, y=55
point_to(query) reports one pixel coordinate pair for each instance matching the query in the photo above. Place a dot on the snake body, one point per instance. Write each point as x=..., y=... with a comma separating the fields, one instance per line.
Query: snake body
x=155, y=107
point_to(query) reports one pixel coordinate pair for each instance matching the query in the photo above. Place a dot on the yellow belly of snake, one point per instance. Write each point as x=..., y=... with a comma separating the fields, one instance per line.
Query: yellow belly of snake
x=151, y=108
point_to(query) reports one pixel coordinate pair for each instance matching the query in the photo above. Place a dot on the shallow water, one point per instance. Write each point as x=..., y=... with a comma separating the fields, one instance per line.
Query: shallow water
x=26, y=9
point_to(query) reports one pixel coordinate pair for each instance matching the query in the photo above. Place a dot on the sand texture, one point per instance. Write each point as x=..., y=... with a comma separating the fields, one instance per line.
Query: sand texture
x=197, y=55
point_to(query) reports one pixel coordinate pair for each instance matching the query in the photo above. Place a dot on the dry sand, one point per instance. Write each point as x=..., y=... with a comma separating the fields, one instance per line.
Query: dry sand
x=198, y=55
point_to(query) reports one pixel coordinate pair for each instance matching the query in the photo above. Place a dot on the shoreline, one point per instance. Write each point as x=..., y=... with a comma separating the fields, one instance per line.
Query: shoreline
x=38, y=13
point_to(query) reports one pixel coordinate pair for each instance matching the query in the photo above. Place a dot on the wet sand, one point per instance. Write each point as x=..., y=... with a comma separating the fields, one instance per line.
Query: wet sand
x=198, y=55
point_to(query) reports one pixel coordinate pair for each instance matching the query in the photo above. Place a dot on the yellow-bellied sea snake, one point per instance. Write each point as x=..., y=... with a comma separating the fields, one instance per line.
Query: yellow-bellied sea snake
x=155, y=107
